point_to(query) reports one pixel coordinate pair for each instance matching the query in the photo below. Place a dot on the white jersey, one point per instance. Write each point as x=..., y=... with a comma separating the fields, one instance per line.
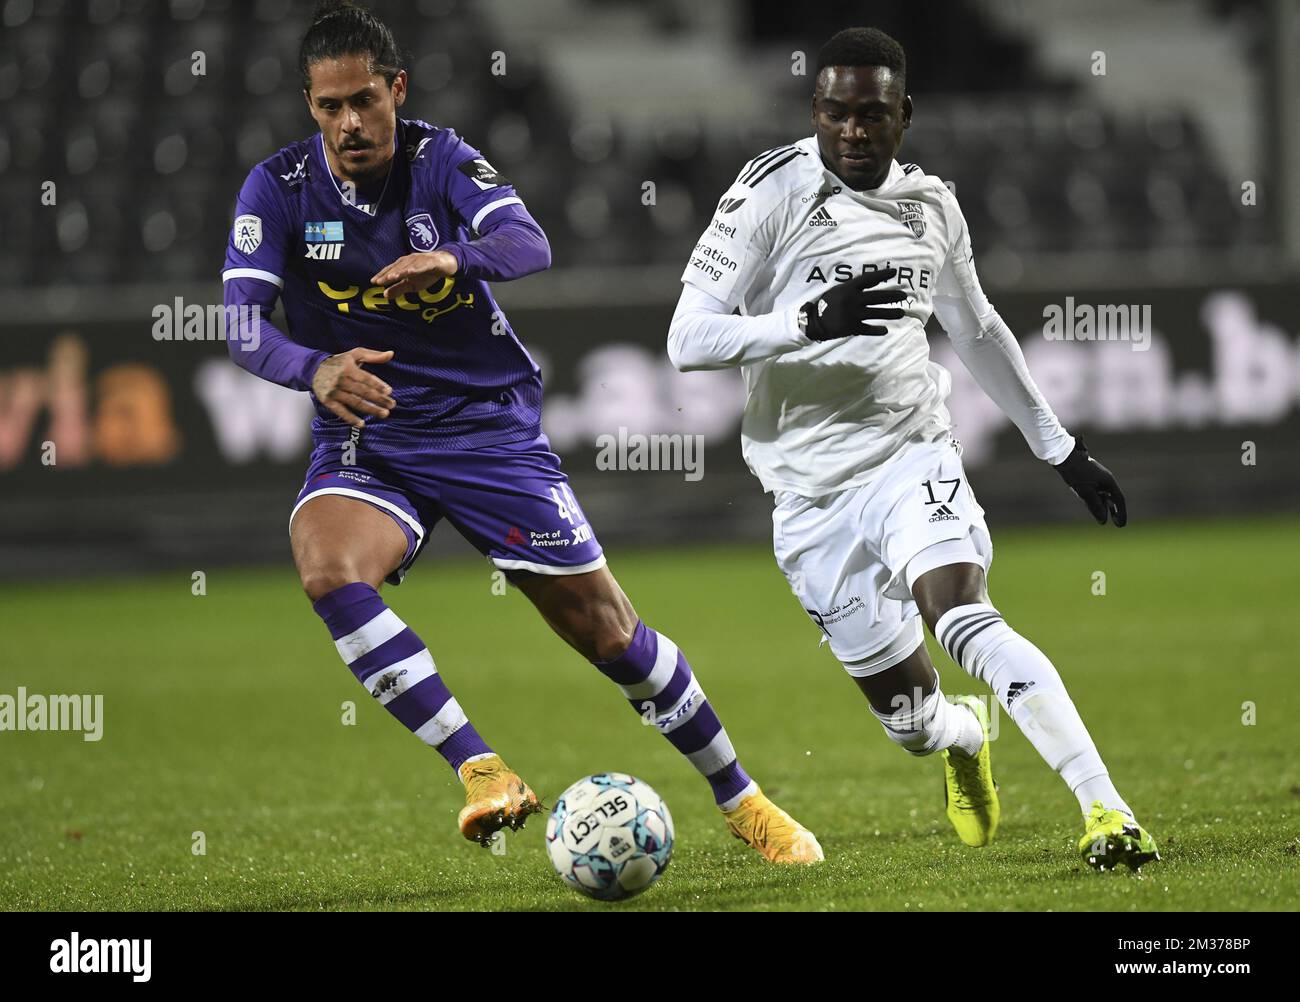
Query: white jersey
x=826, y=415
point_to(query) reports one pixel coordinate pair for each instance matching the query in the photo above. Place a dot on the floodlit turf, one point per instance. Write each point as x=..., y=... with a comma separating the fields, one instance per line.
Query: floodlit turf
x=223, y=716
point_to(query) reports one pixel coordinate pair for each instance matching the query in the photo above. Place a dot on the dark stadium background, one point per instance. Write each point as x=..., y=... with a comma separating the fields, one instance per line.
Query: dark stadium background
x=1115, y=188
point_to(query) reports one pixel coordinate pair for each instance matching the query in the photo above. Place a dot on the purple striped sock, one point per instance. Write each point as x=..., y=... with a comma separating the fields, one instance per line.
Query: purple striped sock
x=392, y=663
x=657, y=680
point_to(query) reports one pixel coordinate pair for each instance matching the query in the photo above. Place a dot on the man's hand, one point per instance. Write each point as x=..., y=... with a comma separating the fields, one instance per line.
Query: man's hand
x=416, y=272
x=348, y=390
x=1095, y=485
x=844, y=309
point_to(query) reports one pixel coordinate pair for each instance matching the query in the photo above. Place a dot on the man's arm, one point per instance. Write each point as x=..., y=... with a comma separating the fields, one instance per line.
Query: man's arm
x=704, y=334
x=507, y=243
x=509, y=246
x=992, y=355
x=338, y=381
x=987, y=347
x=256, y=257
x=266, y=351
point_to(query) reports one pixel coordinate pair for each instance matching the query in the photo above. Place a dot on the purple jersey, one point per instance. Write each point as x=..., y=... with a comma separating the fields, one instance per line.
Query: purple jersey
x=459, y=374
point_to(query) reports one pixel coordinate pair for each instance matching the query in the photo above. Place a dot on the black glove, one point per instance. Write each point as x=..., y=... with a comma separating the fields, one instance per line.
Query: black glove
x=1095, y=485
x=843, y=309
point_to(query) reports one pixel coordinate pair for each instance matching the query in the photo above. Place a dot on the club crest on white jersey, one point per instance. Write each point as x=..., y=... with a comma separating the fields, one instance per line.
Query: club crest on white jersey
x=913, y=214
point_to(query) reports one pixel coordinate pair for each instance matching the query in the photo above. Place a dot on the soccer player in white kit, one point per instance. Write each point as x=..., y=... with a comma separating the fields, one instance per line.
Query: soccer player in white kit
x=816, y=277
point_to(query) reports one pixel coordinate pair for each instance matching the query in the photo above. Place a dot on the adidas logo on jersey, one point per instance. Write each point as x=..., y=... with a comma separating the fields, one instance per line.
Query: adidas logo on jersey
x=822, y=218
x=944, y=514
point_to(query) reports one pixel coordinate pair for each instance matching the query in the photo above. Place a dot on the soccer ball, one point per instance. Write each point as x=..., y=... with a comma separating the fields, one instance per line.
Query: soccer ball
x=610, y=836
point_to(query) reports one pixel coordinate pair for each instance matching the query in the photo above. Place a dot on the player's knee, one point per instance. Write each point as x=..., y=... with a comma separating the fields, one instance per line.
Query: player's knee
x=937, y=589
x=903, y=662
x=318, y=580
x=604, y=628
x=608, y=635
x=934, y=604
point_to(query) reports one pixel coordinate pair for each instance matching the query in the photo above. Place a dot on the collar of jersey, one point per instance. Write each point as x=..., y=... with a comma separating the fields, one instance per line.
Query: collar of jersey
x=320, y=140
x=892, y=178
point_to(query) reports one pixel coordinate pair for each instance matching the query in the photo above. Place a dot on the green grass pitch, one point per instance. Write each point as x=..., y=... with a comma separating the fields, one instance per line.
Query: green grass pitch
x=223, y=716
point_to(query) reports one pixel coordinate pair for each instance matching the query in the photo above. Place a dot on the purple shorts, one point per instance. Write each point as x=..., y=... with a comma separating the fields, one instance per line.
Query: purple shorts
x=511, y=501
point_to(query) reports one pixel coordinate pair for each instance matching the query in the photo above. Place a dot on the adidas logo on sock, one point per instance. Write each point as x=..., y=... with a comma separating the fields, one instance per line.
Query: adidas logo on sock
x=943, y=514
x=822, y=218
x=1017, y=689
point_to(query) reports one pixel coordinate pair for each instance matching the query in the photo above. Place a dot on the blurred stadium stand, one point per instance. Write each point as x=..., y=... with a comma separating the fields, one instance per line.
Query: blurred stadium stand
x=151, y=155
x=1115, y=188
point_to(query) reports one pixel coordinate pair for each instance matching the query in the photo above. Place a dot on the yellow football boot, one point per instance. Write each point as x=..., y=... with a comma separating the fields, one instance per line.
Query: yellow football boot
x=1112, y=837
x=970, y=795
x=495, y=798
x=778, y=837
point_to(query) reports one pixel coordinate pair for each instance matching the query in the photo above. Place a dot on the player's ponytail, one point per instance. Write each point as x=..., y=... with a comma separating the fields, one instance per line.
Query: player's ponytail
x=342, y=28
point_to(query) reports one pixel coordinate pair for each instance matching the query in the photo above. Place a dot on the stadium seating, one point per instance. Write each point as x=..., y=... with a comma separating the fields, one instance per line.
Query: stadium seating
x=102, y=98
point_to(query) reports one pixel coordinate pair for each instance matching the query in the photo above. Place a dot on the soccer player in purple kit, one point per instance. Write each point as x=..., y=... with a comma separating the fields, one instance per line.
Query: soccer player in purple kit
x=380, y=235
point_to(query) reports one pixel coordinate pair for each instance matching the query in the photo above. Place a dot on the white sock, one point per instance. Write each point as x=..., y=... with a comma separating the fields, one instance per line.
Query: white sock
x=1030, y=688
x=970, y=738
x=933, y=725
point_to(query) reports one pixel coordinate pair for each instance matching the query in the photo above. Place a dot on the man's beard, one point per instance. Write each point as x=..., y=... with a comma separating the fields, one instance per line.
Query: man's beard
x=359, y=174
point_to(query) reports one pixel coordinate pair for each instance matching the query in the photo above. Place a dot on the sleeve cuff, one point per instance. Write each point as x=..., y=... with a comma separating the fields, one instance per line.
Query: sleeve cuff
x=1059, y=454
x=455, y=251
x=792, y=324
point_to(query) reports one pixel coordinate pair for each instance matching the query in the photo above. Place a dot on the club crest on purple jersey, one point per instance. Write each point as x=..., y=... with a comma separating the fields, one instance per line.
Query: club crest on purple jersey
x=422, y=233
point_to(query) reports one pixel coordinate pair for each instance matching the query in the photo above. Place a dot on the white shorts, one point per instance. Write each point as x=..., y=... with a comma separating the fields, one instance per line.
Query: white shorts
x=847, y=554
